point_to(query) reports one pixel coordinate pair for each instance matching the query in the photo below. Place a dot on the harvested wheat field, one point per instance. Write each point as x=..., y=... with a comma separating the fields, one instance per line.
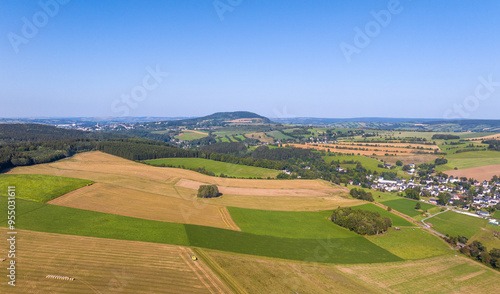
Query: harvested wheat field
x=361, y=150
x=261, y=275
x=169, y=194
x=117, y=200
x=490, y=137
x=105, y=266
x=445, y=274
x=480, y=173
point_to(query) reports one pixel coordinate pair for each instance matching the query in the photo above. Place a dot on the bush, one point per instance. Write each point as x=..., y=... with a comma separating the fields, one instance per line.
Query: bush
x=208, y=191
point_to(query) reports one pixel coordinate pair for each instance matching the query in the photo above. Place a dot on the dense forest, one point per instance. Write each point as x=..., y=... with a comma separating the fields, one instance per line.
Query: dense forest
x=14, y=133
x=361, y=221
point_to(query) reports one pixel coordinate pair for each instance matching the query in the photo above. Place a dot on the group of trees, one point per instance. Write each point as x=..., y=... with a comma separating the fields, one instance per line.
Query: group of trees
x=412, y=193
x=477, y=250
x=361, y=194
x=361, y=221
x=444, y=137
x=208, y=191
x=440, y=161
x=493, y=144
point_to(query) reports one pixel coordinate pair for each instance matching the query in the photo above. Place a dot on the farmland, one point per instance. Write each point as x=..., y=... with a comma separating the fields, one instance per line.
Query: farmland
x=217, y=167
x=455, y=224
x=443, y=274
x=260, y=136
x=471, y=159
x=39, y=217
x=396, y=220
x=40, y=188
x=411, y=243
x=105, y=266
x=188, y=135
x=407, y=206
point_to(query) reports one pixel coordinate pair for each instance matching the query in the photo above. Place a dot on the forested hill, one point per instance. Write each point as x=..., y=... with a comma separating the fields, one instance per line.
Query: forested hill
x=14, y=133
x=218, y=119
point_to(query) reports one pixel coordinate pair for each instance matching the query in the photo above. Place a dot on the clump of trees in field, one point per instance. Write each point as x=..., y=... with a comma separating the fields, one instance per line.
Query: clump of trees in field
x=208, y=191
x=444, y=137
x=440, y=161
x=493, y=145
x=361, y=194
x=477, y=251
x=361, y=221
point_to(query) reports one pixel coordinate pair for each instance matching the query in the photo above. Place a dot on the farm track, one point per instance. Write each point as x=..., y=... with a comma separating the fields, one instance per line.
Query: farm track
x=214, y=266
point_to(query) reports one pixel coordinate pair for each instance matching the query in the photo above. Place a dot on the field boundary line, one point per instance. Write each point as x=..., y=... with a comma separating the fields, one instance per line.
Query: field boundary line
x=217, y=269
x=224, y=215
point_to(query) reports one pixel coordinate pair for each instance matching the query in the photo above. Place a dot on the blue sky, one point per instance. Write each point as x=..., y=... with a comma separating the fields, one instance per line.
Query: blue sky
x=430, y=59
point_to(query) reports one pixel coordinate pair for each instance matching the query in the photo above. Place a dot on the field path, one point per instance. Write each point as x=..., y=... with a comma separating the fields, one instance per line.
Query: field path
x=226, y=217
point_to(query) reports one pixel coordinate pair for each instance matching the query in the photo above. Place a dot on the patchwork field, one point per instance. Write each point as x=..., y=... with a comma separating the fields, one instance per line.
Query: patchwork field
x=106, y=266
x=444, y=274
x=370, y=149
x=40, y=217
x=179, y=183
x=217, y=167
x=123, y=201
x=40, y=188
x=188, y=135
x=261, y=137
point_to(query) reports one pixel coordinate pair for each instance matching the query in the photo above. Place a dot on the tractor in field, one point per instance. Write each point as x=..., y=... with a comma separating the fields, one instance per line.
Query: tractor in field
x=193, y=257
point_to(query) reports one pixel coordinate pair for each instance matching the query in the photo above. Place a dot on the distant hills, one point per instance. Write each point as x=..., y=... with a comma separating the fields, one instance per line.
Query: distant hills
x=218, y=119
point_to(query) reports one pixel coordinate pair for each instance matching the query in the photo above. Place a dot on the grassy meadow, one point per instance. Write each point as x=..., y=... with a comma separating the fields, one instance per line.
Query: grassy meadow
x=188, y=135
x=40, y=188
x=217, y=167
x=470, y=159
x=407, y=206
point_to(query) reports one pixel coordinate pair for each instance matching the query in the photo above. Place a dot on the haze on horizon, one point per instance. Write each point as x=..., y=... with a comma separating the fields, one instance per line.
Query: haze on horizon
x=331, y=59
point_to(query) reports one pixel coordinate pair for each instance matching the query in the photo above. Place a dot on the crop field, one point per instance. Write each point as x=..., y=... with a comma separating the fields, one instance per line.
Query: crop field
x=497, y=214
x=455, y=224
x=188, y=135
x=261, y=137
x=443, y=274
x=291, y=224
x=470, y=159
x=278, y=135
x=396, y=220
x=104, y=168
x=40, y=188
x=367, y=149
x=488, y=237
x=259, y=275
x=106, y=266
x=407, y=206
x=124, y=201
x=217, y=167
x=411, y=243
x=41, y=217
x=481, y=173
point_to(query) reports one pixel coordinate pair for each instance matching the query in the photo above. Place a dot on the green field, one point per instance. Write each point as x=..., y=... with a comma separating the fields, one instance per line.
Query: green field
x=40, y=188
x=64, y=220
x=366, y=162
x=411, y=243
x=289, y=224
x=497, y=214
x=397, y=221
x=407, y=206
x=278, y=135
x=455, y=224
x=470, y=159
x=217, y=167
x=187, y=135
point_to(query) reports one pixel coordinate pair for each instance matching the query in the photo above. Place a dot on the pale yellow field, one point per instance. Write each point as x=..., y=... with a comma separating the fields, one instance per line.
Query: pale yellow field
x=490, y=137
x=444, y=274
x=261, y=137
x=132, y=189
x=480, y=173
x=260, y=275
x=369, y=150
x=105, y=266
x=117, y=200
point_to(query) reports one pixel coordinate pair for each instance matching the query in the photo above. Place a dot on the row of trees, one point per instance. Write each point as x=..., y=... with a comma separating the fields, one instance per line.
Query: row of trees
x=477, y=251
x=361, y=221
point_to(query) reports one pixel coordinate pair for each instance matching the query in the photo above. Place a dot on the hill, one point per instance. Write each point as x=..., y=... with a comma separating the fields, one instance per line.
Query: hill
x=217, y=119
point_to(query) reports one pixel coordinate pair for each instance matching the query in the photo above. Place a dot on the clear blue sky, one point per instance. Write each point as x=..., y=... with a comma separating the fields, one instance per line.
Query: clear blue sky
x=276, y=58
